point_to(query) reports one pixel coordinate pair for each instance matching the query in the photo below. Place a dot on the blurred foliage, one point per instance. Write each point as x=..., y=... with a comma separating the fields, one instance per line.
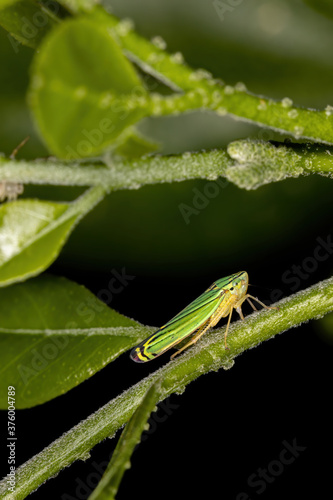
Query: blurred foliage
x=66, y=79
x=30, y=26
x=325, y=7
x=33, y=232
x=277, y=55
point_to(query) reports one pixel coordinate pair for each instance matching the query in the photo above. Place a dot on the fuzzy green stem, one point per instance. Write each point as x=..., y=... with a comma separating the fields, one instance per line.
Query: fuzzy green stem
x=259, y=163
x=108, y=486
x=203, y=91
x=248, y=164
x=209, y=354
x=123, y=175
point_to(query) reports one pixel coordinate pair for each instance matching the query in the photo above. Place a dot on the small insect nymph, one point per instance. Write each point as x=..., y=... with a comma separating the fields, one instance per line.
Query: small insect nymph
x=218, y=301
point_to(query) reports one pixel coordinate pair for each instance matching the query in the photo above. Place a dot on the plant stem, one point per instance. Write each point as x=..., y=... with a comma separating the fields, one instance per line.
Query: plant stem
x=203, y=91
x=209, y=354
x=248, y=164
x=123, y=175
x=108, y=486
x=259, y=163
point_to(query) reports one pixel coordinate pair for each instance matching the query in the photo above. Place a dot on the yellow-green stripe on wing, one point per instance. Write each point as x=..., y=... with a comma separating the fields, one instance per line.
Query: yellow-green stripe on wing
x=178, y=328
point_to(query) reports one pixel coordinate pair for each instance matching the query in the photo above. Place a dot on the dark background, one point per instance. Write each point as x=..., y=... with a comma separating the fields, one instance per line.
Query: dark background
x=211, y=439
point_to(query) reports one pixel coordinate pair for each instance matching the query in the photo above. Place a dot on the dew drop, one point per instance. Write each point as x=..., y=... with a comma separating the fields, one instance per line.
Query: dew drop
x=180, y=390
x=293, y=113
x=84, y=456
x=216, y=81
x=328, y=110
x=221, y=111
x=298, y=131
x=80, y=92
x=286, y=102
x=228, y=363
x=228, y=89
x=124, y=27
x=200, y=74
x=217, y=97
x=193, y=77
x=262, y=106
x=159, y=42
x=203, y=74
x=154, y=58
x=203, y=94
x=105, y=100
x=135, y=185
x=177, y=58
x=241, y=87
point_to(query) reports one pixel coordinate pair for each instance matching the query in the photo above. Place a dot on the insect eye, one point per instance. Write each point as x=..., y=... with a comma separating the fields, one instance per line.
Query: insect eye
x=231, y=289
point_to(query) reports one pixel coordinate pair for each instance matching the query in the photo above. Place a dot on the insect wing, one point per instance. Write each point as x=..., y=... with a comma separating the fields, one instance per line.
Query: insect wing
x=181, y=326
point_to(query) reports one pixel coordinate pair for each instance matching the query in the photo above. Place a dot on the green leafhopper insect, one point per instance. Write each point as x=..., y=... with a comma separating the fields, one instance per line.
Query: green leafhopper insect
x=218, y=301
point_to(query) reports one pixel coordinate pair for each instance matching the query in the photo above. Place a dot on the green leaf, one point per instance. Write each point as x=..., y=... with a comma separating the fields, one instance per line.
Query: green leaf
x=32, y=233
x=83, y=91
x=62, y=336
x=130, y=437
x=26, y=20
x=132, y=144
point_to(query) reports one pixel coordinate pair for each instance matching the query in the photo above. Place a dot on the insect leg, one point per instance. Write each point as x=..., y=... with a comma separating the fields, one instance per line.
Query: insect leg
x=195, y=338
x=240, y=312
x=226, y=330
x=252, y=305
x=259, y=301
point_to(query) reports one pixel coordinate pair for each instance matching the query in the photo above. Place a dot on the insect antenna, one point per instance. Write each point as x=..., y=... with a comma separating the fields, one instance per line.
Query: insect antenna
x=17, y=149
